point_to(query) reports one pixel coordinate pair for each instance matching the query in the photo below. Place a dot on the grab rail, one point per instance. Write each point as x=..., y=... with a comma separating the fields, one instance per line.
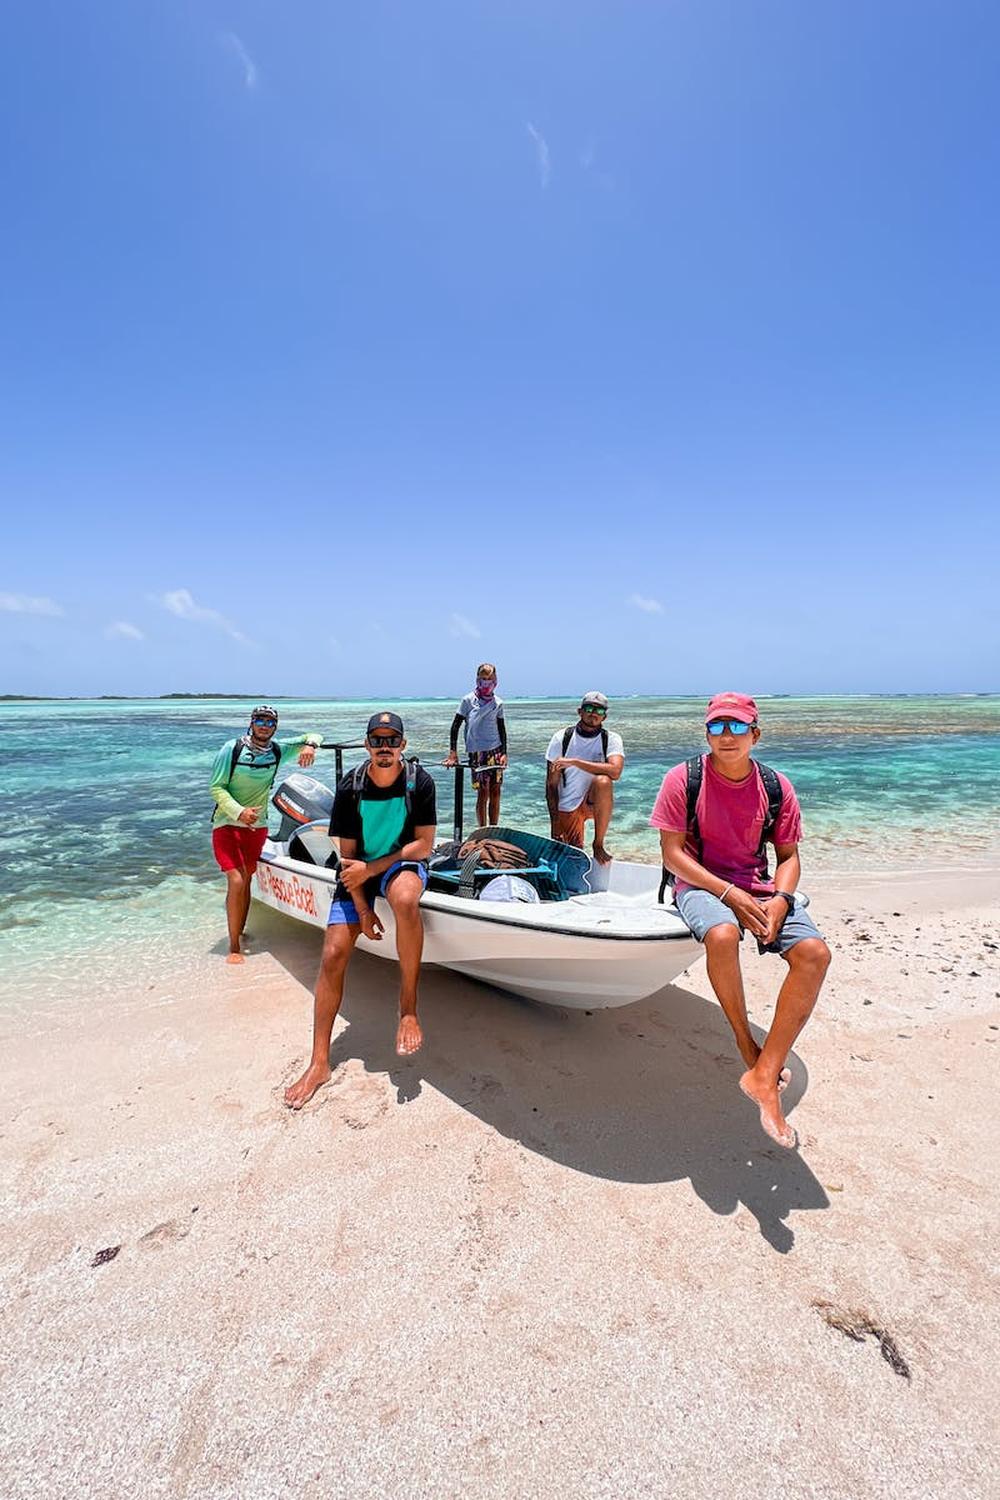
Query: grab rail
x=461, y=766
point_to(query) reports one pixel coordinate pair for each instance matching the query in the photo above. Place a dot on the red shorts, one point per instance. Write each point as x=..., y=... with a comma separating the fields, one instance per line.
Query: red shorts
x=237, y=847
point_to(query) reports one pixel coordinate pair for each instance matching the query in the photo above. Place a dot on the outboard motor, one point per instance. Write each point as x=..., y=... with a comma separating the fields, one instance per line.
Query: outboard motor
x=300, y=799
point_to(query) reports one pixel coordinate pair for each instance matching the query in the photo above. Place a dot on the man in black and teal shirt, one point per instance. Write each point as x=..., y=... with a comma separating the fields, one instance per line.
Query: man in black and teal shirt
x=242, y=778
x=384, y=820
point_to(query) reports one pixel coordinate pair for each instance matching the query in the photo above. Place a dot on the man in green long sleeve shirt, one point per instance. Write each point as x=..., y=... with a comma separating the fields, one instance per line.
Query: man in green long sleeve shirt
x=242, y=778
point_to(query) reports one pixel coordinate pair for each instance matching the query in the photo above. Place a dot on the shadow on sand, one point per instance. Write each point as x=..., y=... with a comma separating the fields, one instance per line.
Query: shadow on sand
x=646, y=1093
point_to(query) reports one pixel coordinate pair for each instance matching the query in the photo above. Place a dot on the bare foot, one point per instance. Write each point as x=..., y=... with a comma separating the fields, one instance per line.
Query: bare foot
x=235, y=958
x=601, y=855
x=751, y=1052
x=303, y=1089
x=409, y=1037
x=773, y=1122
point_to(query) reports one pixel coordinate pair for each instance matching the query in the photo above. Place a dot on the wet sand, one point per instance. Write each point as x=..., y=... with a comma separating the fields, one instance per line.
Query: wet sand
x=552, y=1255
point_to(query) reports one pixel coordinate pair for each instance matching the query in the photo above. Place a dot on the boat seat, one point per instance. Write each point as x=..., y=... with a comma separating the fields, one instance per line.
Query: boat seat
x=547, y=877
x=618, y=899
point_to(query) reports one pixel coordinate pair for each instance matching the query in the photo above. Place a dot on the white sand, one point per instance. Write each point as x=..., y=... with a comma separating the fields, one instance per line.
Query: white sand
x=553, y=1256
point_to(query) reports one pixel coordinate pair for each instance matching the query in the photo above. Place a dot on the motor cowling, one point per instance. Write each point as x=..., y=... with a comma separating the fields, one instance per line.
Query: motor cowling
x=300, y=799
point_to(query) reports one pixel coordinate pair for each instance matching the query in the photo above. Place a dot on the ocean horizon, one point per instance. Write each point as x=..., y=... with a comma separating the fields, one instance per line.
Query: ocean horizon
x=105, y=808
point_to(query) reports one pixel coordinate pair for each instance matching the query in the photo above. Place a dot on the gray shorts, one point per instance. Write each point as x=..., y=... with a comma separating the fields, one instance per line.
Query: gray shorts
x=701, y=911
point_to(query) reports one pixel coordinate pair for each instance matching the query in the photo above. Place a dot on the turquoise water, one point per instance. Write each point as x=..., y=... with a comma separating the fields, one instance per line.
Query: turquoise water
x=105, y=806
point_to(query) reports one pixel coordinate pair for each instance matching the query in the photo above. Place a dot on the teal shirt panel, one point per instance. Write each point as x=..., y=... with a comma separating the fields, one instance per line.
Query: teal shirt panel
x=382, y=824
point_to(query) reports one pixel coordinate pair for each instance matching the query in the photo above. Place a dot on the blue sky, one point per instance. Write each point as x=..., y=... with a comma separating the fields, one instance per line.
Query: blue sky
x=650, y=346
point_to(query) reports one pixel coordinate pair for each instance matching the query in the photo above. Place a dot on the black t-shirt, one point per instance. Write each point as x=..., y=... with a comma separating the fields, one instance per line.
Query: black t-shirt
x=376, y=818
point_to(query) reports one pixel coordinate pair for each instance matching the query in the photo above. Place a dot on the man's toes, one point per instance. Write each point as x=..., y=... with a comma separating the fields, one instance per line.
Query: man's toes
x=779, y=1130
x=408, y=1038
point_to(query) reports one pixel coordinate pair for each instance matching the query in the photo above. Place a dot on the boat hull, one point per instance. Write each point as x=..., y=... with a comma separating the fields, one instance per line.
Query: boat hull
x=572, y=954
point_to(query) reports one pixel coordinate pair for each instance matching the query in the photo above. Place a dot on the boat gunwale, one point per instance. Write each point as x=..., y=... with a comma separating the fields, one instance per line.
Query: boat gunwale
x=329, y=877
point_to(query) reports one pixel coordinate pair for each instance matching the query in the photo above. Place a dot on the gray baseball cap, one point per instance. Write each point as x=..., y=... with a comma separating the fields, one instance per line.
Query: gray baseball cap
x=597, y=698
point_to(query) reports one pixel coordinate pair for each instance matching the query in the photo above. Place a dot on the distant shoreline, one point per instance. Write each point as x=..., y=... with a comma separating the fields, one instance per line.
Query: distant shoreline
x=445, y=697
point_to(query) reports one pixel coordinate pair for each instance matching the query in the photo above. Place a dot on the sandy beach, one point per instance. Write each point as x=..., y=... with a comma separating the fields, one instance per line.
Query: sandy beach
x=552, y=1255
x=433, y=420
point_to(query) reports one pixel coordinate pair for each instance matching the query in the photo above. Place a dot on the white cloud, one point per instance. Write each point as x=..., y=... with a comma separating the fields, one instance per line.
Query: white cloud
x=234, y=44
x=25, y=604
x=542, y=154
x=122, y=630
x=179, y=602
x=648, y=606
x=461, y=625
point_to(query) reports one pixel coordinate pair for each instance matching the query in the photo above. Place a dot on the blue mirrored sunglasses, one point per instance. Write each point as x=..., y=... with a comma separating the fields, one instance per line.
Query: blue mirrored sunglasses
x=735, y=726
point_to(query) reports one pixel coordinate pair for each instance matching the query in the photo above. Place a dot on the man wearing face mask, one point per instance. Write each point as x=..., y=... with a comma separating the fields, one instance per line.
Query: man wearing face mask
x=481, y=714
x=242, y=777
x=384, y=818
x=583, y=763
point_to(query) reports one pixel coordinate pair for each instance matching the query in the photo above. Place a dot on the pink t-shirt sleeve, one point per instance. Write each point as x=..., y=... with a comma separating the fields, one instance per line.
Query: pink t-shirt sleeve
x=788, y=828
x=670, y=807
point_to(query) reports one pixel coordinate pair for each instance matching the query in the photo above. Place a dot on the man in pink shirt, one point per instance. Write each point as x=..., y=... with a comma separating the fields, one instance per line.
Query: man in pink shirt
x=716, y=815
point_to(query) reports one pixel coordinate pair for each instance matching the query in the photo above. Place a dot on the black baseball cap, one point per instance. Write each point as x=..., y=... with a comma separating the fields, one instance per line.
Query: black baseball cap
x=384, y=721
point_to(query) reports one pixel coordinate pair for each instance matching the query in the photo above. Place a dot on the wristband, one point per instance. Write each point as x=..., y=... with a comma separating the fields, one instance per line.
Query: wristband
x=725, y=893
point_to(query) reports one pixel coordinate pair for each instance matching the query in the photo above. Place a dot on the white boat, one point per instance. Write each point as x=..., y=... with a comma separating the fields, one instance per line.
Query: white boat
x=598, y=936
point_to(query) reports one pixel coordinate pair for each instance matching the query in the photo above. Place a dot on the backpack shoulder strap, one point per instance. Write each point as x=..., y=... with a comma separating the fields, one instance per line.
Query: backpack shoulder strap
x=695, y=773
x=567, y=736
x=358, y=777
x=775, y=797
x=604, y=743
x=412, y=767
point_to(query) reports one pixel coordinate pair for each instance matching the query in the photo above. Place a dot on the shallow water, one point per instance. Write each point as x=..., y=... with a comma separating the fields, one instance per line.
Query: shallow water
x=105, y=805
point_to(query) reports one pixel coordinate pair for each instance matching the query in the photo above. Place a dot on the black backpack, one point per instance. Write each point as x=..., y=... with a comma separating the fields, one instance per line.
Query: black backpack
x=234, y=760
x=695, y=774
x=568, y=735
x=360, y=774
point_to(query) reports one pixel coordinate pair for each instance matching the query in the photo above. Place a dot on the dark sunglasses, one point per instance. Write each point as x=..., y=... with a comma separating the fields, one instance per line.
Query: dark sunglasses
x=735, y=726
x=592, y=708
x=265, y=723
x=386, y=741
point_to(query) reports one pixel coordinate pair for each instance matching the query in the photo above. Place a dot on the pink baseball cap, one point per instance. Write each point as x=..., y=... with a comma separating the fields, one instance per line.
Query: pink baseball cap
x=732, y=706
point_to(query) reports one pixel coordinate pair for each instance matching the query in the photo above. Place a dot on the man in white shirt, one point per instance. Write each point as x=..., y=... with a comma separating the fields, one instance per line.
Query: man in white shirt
x=584, y=762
